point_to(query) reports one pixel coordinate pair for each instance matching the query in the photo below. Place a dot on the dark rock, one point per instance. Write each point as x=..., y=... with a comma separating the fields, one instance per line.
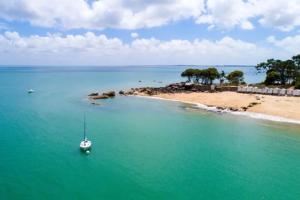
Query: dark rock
x=100, y=97
x=244, y=108
x=93, y=94
x=253, y=104
x=221, y=108
x=109, y=94
x=233, y=109
x=121, y=92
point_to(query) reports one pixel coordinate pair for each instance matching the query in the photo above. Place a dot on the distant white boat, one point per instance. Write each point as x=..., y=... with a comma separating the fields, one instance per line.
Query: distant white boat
x=85, y=144
x=30, y=91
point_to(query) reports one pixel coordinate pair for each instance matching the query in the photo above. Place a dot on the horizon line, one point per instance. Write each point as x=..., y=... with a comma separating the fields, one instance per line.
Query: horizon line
x=135, y=65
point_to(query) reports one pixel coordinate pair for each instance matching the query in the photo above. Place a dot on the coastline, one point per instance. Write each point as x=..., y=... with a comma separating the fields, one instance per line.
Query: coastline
x=254, y=112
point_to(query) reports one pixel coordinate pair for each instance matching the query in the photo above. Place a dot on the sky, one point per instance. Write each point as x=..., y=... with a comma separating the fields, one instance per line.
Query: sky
x=148, y=32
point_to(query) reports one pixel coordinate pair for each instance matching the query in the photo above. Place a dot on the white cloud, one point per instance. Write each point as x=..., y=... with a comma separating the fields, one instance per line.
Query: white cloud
x=289, y=44
x=134, y=35
x=280, y=14
x=135, y=14
x=228, y=14
x=124, y=14
x=56, y=49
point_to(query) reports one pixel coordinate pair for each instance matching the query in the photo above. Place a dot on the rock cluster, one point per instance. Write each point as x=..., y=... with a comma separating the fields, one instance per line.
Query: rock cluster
x=104, y=95
x=172, y=88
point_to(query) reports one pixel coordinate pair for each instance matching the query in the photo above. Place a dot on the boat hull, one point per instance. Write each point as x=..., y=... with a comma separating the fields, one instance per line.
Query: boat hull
x=85, y=145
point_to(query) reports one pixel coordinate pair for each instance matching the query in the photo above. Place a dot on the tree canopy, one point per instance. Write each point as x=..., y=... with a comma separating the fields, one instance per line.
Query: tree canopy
x=236, y=77
x=205, y=76
x=189, y=73
x=280, y=72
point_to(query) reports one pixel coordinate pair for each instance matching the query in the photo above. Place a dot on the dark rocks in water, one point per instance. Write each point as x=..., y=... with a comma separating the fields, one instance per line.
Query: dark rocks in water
x=93, y=94
x=109, y=94
x=233, y=109
x=95, y=103
x=100, y=97
x=130, y=92
x=140, y=81
x=121, y=92
x=244, y=108
x=104, y=95
x=221, y=108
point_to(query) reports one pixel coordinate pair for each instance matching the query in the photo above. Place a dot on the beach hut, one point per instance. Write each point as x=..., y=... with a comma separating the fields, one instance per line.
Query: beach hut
x=243, y=89
x=282, y=92
x=275, y=91
x=240, y=89
x=289, y=92
x=259, y=91
x=255, y=90
x=270, y=91
x=249, y=89
x=264, y=90
x=296, y=93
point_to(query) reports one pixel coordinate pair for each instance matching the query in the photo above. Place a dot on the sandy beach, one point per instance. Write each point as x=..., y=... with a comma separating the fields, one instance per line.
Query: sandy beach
x=281, y=106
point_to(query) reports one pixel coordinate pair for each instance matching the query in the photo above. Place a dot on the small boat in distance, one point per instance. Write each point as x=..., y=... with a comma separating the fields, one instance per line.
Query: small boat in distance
x=85, y=144
x=30, y=91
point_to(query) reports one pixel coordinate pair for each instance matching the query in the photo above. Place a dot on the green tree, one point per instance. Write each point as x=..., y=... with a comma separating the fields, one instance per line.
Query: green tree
x=287, y=69
x=197, y=75
x=272, y=77
x=207, y=76
x=235, y=77
x=296, y=60
x=188, y=73
x=212, y=74
x=297, y=81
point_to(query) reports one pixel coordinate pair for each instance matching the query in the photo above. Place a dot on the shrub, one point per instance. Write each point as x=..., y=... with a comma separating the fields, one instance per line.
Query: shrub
x=235, y=77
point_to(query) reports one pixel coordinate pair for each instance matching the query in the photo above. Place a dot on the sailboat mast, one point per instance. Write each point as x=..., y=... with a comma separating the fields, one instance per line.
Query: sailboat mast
x=84, y=136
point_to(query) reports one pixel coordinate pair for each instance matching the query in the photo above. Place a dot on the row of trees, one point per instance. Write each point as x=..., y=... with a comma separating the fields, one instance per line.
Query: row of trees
x=207, y=76
x=280, y=72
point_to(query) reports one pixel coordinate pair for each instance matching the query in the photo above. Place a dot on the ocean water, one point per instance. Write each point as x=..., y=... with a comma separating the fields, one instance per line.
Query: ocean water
x=142, y=148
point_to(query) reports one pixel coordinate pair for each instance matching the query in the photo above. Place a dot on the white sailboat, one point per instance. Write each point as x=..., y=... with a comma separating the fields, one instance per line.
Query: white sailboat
x=85, y=144
x=30, y=91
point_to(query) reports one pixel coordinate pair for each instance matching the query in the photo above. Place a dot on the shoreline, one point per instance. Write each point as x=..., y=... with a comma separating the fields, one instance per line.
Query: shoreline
x=253, y=115
x=227, y=99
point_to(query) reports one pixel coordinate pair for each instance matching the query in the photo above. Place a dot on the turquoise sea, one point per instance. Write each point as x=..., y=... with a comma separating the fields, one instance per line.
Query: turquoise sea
x=142, y=148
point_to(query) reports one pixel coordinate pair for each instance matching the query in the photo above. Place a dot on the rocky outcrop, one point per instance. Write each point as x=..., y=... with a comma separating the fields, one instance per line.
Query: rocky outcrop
x=100, y=97
x=105, y=95
x=93, y=94
x=121, y=92
x=109, y=93
x=172, y=88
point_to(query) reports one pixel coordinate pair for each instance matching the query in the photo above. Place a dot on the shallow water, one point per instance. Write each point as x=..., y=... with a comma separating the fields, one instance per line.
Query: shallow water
x=142, y=148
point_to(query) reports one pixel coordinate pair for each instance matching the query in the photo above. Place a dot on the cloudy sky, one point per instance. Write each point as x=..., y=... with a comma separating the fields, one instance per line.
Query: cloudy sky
x=126, y=32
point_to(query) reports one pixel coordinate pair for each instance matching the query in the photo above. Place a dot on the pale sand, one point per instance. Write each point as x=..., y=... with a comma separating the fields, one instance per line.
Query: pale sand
x=281, y=106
